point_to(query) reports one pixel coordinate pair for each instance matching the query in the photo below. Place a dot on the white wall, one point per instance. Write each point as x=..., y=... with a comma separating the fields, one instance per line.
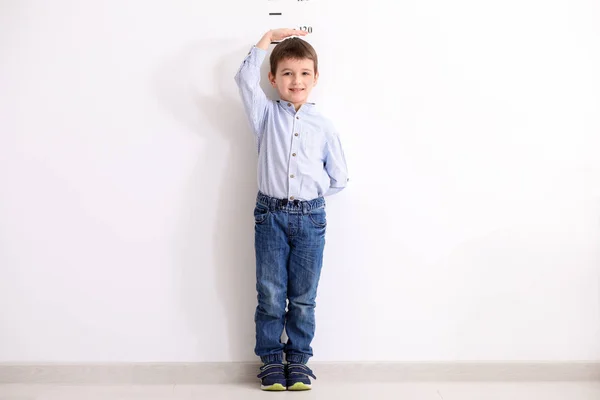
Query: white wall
x=470, y=229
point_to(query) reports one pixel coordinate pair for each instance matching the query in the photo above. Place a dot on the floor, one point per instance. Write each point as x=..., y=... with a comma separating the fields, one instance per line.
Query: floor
x=321, y=390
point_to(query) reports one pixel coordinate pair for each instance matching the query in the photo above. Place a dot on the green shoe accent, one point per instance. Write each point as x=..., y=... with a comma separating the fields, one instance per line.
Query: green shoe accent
x=278, y=387
x=299, y=386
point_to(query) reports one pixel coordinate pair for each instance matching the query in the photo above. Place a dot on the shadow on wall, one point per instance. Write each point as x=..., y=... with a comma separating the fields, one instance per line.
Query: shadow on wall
x=215, y=262
x=269, y=90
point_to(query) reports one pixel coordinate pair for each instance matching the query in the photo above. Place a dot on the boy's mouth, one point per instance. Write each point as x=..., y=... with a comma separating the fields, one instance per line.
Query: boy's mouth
x=296, y=90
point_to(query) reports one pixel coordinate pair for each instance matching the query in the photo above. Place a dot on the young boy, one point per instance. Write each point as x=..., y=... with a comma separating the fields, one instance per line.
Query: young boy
x=300, y=160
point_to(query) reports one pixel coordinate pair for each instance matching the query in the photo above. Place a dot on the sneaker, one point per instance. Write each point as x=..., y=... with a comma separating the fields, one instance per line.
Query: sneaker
x=272, y=376
x=298, y=377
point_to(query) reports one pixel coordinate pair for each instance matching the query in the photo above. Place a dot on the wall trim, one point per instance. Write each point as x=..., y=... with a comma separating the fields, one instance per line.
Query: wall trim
x=228, y=372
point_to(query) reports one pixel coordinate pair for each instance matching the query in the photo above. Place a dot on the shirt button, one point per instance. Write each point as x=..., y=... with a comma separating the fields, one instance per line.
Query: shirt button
x=293, y=154
x=289, y=104
x=291, y=197
x=291, y=176
x=297, y=117
x=295, y=134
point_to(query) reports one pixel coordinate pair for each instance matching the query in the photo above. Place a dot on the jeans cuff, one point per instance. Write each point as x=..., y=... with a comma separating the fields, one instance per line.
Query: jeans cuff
x=272, y=358
x=297, y=358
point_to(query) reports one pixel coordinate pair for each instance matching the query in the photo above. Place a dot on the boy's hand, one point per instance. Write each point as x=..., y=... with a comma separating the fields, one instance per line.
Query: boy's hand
x=282, y=33
x=276, y=35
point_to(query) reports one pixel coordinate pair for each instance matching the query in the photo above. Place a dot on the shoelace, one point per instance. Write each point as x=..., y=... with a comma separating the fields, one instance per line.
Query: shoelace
x=270, y=369
x=300, y=369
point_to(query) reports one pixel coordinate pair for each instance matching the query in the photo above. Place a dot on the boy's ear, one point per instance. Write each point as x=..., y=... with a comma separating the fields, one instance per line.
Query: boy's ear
x=316, y=77
x=272, y=79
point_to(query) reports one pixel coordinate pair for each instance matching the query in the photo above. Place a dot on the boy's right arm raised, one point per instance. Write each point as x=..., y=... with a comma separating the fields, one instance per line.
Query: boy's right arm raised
x=248, y=81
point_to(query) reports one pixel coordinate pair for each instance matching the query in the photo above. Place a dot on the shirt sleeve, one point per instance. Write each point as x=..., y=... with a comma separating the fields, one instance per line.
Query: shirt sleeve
x=335, y=165
x=248, y=81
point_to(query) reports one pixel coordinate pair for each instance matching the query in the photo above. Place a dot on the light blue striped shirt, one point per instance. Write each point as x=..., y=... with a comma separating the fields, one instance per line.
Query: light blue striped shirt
x=300, y=155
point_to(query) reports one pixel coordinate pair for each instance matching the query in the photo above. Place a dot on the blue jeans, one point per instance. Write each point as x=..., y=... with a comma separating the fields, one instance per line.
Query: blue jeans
x=289, y=237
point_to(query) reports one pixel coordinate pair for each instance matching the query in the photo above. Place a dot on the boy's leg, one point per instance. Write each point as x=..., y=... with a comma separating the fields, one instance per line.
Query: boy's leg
x=304, y=271
x=272, y=254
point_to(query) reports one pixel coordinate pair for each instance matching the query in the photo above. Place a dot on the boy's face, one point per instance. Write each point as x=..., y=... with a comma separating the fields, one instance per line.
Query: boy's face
x=294, y=80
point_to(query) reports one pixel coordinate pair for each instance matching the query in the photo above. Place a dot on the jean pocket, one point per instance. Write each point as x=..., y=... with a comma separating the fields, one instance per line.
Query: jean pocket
x=318, y=217
x=260, y=213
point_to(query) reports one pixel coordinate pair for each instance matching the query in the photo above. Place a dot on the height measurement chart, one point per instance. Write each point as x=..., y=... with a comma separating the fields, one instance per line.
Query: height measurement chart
x=295, y=14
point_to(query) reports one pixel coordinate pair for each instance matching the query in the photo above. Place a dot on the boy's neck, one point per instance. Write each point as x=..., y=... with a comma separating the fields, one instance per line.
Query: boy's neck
x=297, y=106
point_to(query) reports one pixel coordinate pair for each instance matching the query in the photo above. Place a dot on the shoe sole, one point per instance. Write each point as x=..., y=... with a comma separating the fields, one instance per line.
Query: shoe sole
x=298, y=386
x=278, y=387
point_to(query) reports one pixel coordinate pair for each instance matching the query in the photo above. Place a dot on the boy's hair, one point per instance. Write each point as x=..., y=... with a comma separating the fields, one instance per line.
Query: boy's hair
x=295, y=49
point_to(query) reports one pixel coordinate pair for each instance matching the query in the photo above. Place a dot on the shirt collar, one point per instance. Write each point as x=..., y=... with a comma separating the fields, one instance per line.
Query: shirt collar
x=306, y=108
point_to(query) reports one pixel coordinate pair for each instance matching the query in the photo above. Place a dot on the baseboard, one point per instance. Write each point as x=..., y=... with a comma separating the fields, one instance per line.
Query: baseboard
x=204, y=373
